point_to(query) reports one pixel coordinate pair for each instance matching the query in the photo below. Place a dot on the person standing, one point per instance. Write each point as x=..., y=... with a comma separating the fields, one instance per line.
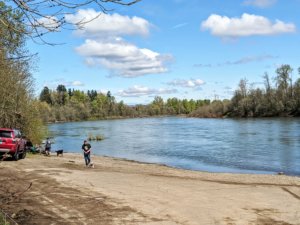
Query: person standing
x=48, y=147
x=86, y=148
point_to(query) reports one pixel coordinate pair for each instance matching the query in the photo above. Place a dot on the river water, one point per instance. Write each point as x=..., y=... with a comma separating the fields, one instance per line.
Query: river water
x=215, y=145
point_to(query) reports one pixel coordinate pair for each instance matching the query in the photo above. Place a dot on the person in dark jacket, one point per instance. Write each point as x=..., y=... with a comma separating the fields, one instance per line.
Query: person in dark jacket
x=29, y=146
x=86, y=148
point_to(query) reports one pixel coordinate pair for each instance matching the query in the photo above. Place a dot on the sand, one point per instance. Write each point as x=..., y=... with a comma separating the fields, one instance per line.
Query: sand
x=61, y=190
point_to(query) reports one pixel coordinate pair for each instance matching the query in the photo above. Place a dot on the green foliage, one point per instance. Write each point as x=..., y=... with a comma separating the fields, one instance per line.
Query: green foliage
x=280, y=100
x=3, y=220
x=45, y=96
x=81, y=105
x=92, y=137
x=11, y=40
x=18, y=109
x=61, y=94
x=34, y=128
x=216, y=109
x=246, y=102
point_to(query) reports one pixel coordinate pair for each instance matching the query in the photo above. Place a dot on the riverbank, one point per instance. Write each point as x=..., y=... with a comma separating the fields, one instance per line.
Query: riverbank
x=41, y=189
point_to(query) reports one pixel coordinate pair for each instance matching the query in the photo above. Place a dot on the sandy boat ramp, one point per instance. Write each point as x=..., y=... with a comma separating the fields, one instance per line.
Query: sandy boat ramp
x=61, y=190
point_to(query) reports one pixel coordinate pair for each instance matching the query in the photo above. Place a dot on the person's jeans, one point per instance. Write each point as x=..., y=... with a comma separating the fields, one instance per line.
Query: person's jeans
x=87, y=158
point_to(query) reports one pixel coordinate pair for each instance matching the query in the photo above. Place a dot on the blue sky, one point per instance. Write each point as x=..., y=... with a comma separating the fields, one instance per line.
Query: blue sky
x=172, y=48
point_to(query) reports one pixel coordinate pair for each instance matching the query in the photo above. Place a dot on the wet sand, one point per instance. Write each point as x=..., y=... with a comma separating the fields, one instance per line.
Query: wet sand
x=61, y=190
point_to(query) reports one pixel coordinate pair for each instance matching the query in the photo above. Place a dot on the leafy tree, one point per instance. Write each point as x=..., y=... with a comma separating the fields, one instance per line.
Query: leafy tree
x=18, y=109
x=45, y=96
x=61, y=94
x=247, y=101
x=11, y=42
x=283, y=80
x=121, y=109
x=157, y=105
x=92, y=94
x=70, y=92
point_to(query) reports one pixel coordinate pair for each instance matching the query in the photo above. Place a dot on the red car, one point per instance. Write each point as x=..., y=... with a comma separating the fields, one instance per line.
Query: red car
x=12, y=143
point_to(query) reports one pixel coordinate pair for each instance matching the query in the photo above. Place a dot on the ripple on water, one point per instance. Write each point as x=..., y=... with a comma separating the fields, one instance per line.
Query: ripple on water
x=219, y=145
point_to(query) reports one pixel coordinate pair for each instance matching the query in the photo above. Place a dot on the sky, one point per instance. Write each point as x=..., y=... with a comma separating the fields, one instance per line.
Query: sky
x=193, y=49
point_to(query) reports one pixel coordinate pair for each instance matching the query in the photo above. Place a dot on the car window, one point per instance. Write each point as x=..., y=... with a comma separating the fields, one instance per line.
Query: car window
x=17, y=133
x=5, y=134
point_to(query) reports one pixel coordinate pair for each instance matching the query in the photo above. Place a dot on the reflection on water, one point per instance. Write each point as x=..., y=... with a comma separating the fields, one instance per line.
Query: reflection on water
x=218, y=145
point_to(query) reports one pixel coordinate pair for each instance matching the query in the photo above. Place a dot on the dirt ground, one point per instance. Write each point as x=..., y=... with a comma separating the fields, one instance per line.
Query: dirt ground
x=61, y=190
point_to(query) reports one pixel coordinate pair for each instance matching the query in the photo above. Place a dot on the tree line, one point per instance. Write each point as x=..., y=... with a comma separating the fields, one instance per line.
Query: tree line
x=64, y=104
x=279, y=96
x=18, y=107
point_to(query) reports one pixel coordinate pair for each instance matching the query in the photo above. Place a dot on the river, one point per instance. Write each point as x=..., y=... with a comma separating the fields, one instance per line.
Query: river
x=216, y=145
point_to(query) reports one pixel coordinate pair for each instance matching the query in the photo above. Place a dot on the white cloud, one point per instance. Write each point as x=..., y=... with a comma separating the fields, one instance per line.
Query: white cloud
x=260, y=3
x=137, y=91
x=228, y=88
x=55, y=83
x=122, y=58
x=180, y=25
x=247, y=25
x=243, y=60
x=97, y=24
x=192, y=83
x=50, y=23
x=103, y=91
x=75, y=83
x=105, y=47
x=250, y=59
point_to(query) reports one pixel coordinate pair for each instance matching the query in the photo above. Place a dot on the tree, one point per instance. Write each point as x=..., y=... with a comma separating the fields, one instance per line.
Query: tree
x=70, y=92
x=98, y=106
x=243, y=87
x=158, y=105
x=18, y=109
x=41, y=17
x=45, y=96
x=121, y=108
x=283, y=79
x=61, y=94
x=14, y=74
x=11, y=42
x=78, y=97
x=267, y=83
x=92, y=94
x=240, y=103
x=110, y=101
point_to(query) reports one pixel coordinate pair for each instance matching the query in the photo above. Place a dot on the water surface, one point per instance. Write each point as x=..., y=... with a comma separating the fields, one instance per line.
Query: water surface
x=216, y=145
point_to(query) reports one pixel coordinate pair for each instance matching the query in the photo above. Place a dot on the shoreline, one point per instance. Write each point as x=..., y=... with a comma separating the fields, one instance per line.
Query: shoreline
x=233, y=170
x=116, y=191
x=184, y=170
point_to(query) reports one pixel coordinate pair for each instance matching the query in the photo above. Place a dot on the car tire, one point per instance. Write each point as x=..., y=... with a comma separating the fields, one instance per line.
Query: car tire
x=23, y=155
x=16, y=155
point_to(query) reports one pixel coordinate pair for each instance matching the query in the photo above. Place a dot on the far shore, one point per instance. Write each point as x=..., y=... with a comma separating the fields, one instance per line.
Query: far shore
x=178, y=115
x=117, y=191
x=119, y=118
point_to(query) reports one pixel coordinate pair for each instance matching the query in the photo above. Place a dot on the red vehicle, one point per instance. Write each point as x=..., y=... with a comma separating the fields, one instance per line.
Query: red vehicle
x=12, y=143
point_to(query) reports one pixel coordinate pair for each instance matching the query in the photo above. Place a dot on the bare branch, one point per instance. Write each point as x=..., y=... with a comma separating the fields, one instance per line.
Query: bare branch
x=46, y=16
